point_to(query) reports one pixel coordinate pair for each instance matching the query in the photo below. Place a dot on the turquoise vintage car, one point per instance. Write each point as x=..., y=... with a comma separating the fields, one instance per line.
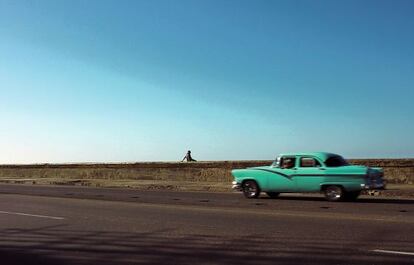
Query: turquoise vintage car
x=309, y=172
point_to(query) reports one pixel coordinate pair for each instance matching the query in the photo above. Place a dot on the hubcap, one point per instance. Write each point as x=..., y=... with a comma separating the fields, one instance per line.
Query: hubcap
x=250, y=189
x=334, y=193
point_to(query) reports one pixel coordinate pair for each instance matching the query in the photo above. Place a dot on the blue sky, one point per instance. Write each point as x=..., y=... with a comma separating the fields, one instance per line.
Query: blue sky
x=117, y=81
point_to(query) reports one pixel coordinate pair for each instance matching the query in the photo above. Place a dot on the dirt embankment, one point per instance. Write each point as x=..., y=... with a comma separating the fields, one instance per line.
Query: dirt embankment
x=212, y=175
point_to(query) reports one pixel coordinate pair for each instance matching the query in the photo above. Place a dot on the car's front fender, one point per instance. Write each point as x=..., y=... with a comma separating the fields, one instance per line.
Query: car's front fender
x=241, y=175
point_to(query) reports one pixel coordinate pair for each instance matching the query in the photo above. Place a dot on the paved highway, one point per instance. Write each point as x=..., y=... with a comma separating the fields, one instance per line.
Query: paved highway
x=80, y=225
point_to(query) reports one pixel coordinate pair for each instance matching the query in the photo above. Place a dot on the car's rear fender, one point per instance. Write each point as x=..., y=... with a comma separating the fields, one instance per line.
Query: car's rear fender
x=347, y=186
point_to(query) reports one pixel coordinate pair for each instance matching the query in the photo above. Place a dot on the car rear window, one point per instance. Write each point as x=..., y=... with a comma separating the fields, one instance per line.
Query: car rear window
x=309, y=162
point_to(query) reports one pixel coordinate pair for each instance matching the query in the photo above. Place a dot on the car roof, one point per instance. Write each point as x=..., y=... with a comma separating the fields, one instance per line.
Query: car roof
x=320, y=155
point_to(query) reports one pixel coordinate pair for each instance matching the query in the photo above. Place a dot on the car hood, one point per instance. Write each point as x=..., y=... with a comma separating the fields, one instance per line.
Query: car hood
x=265, y=167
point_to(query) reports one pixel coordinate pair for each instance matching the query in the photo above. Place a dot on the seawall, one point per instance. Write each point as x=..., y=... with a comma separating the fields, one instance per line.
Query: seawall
x=398, y=171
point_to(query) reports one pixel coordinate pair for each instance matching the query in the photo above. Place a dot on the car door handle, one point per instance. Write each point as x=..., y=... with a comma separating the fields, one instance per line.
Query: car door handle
x=321, y=168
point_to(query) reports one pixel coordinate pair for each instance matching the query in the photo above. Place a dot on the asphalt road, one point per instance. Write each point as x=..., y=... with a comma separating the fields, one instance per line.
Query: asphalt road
x=79, y=225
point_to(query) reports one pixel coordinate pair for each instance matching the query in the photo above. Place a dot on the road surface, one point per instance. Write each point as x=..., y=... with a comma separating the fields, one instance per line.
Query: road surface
x=80, y=225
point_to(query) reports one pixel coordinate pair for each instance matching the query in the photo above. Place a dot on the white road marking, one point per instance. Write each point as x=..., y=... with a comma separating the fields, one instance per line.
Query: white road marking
x=394, y=252
x=33, y=215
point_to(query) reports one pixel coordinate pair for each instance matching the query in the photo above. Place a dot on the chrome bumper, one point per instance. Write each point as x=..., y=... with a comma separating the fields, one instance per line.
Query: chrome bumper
x=374, y=186
x=236, y=186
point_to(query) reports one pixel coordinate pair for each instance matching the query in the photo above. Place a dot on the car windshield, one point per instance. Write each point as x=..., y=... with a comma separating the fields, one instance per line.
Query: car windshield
x=276, y=163
x=336, y=161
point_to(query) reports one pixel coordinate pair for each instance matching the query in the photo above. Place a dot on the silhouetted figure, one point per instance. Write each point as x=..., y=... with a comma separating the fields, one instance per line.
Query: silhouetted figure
x=188, y=157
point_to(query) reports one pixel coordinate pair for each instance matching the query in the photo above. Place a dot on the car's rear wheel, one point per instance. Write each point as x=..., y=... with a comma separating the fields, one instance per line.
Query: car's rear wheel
x=251, y=189
x=352, y=195
x=273, y=194
x=334, y=193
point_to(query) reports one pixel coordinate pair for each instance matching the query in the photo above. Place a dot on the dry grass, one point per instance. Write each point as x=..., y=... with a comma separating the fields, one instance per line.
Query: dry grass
x=135, y=184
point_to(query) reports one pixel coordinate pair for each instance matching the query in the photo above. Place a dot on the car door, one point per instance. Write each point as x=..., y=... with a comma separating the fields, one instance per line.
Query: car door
x=281, y=180
x=310, y=173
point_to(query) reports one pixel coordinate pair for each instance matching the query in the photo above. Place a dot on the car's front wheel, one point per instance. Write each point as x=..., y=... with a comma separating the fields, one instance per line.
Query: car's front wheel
x=251, y=189
x=334, y=193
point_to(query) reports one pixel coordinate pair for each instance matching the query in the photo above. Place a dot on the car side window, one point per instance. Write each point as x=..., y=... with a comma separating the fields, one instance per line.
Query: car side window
x=309, y=162
x=287, y=162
